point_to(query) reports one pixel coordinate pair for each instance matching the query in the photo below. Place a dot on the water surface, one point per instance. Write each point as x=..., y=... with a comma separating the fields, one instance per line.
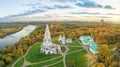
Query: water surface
x=13, y=38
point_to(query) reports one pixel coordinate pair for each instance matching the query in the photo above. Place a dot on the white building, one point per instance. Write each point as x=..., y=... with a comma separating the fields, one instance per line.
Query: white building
x=68, y=40
x=62, y=39
x=47, y=46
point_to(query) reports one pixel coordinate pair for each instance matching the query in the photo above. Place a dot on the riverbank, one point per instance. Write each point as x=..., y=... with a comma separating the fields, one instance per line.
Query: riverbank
x=13, y=38
x=10, y=30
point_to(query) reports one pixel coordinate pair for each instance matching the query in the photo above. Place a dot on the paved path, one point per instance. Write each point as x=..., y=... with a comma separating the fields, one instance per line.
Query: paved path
x=26, y=63
x=45, y=60
x=73, y=46
x=64, y=54
x=75, y=51
x=22, y=56
x=52, y=64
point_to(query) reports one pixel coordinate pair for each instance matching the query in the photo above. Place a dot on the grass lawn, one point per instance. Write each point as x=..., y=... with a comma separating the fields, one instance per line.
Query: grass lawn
x=63, y=49
x=58, y=65
x=74, y=43
x=46, y=63
x=79, y=59
x=19, y=63
x=34, y=54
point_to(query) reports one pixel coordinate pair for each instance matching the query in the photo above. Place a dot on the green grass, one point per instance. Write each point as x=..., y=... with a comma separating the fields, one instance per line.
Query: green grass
x=46, y=63
x=58, y=65
x=74, y=43
x=19, y=63
x=79, y=59
x=63, y=49
x=34, y=54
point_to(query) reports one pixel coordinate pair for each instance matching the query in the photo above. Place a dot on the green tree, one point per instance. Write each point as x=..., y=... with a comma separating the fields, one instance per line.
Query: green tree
x=103, y=51
x=8, y=59
x=2, y=63
x=99, y=65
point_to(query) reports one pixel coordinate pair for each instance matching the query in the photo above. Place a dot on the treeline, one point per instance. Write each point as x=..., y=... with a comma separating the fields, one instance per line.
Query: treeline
x=9, y=28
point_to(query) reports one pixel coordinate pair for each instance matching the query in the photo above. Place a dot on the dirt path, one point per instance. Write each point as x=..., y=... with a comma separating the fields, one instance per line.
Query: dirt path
x=26, y=63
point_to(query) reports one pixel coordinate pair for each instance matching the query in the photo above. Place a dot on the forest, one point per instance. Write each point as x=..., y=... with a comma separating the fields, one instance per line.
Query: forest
x=106, y=35
x=8, y=28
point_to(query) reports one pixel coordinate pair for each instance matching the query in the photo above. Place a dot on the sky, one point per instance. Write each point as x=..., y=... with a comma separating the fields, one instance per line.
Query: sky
x=59, y=10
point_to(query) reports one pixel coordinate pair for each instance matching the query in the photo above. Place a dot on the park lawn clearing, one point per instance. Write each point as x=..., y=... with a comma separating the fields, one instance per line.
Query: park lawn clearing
x=78, y=59
x=72, y=46
x=19, y=63
x=46, y=63
x=34, y=54
x=58, y=65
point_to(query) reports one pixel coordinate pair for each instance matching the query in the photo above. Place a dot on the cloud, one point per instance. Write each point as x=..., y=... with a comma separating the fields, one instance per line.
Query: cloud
x=47, y=7
x=69, y=16
x=56, y=6
x=59, y=0
x=32, y=4
x=91, y=4
x=43, y=17
x=88, y=3
x=108, y=7
x=113, y=14
x=26, y=13
x=85, y=13
x=62, y=6
x=102, y=17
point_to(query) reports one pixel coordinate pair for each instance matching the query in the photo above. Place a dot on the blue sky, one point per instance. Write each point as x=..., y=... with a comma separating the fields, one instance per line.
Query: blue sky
x=40, y=10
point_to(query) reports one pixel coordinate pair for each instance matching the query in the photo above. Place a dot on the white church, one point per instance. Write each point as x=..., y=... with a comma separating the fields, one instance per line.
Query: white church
x=47, y=46
x=61, y=39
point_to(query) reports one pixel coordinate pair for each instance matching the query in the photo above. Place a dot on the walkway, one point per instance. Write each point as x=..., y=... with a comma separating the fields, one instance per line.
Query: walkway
x=64, y=54
x=52, y=64
x=26, y=63
x=45, y=61
x=22, y=56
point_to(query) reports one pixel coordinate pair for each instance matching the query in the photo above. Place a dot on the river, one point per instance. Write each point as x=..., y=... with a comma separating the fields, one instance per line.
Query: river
x=14, y=38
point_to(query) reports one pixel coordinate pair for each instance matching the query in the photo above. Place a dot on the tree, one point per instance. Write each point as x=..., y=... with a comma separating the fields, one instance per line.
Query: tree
x=117, y=45
x=8, y=59
x=97, y=40
x=103, y=51
x=105, y=55
x=20, y=51
x=2, y=63
x=108, y=59
x=99, y=65
x=115, y=64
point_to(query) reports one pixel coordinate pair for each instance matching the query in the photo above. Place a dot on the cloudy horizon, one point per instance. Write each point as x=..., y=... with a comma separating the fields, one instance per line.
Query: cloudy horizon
x=60, y=10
